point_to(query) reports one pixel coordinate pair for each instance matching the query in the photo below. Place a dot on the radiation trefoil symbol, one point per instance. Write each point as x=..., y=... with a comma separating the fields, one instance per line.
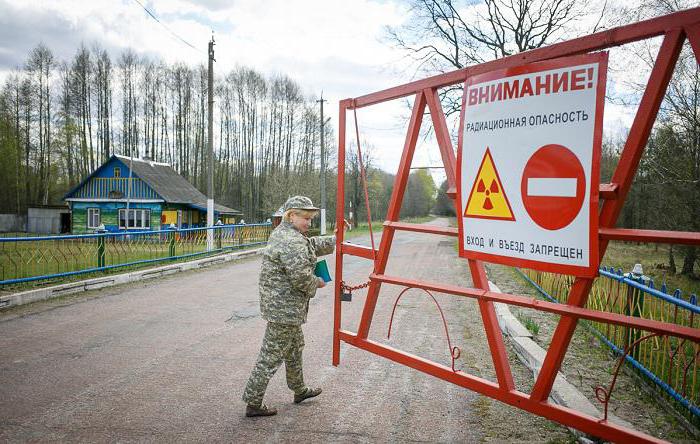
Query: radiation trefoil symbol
x=487, y=199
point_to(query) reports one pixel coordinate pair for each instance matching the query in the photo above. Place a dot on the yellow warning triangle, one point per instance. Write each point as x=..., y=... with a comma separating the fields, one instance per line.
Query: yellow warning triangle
x=488, y=199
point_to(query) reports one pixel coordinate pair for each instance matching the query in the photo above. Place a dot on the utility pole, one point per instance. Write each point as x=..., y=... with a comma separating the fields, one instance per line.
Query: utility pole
x=210, y=148
x=323, y=170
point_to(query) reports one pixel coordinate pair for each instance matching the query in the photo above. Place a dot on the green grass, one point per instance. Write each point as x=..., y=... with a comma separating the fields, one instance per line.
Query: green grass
x=654, y=260
x=23, y=234
x=532, y=326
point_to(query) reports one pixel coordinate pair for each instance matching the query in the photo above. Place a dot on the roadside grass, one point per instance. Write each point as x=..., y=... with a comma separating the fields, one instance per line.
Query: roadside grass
x=23, y=234
x=590, y=363
x=655, y=263
x=75, y=258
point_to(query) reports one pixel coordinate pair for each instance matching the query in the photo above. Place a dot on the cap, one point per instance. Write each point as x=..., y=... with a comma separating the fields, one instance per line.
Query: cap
x=299, y=203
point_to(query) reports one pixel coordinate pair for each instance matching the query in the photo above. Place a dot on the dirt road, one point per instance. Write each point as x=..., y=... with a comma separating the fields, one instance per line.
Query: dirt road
x=167, y=360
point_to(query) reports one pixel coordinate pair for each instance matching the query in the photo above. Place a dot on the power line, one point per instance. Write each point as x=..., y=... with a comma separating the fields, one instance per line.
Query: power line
x=164, y=26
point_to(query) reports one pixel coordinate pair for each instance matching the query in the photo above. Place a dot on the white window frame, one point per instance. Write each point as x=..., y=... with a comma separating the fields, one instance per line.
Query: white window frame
x=141, y=218
x=90, y=214
x=146, y=218
x=117, y=172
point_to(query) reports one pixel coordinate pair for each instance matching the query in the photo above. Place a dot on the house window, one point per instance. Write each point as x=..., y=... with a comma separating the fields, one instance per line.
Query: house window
x=137, y=219
x=93, y=217
x=117, y=172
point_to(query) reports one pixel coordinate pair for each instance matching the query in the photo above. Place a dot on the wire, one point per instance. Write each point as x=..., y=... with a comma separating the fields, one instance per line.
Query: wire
x=168, y=29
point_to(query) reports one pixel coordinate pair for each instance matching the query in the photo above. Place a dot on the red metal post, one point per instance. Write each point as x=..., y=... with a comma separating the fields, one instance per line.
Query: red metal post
x=692, y=334
x=339, y=222
x=493, y=331
x=442, y=135
x=654, y=236
x=393, y=211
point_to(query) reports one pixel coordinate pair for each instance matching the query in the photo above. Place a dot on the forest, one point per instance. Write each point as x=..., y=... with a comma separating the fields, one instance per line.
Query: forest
x=60, y=120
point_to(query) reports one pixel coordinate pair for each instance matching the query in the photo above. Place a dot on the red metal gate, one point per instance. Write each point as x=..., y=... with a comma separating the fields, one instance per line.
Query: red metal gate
x=674, y=28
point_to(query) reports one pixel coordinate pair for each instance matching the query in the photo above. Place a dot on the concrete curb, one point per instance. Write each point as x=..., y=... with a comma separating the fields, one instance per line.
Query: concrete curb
x=26, y=297
x=532, y=355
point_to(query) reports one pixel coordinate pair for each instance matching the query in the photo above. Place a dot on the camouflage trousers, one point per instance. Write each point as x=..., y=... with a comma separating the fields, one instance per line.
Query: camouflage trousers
x=282, y=342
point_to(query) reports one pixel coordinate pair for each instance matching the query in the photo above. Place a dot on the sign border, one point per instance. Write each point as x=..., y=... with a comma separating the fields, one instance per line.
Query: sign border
x=594, y=256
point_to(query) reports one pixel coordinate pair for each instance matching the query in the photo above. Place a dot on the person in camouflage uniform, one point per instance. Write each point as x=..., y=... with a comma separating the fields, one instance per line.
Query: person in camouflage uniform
x=287, y=283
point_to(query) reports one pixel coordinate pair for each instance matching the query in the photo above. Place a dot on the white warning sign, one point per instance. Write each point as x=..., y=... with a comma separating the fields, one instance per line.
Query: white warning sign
x=528, y=160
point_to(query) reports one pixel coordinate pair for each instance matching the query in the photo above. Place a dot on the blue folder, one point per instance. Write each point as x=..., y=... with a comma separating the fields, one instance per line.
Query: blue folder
x=321, y=270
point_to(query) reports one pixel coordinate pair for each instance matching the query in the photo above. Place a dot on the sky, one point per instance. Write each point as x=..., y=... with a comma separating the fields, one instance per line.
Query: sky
x=337, y=47
x=332, y=47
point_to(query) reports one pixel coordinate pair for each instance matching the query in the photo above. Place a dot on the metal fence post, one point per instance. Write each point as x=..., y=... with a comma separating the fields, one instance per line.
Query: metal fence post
x=171, y=241
x=633, y=308
x=101, y=246
x=218, y=231
x=100, y=252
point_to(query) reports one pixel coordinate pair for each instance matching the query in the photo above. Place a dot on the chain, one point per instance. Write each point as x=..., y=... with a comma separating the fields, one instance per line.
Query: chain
x=350, y=288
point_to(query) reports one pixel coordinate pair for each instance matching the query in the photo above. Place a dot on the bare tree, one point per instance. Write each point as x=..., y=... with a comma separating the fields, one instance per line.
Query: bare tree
x=67, y=122
x=82, y=68
x=103, y=88
x=128, y=70
x=10, y=145
x=443, y=35
x=39, y=68
x=12, y=107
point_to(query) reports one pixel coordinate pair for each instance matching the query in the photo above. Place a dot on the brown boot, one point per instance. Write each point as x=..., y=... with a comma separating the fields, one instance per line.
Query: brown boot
x=261, y=410
x=309, y=393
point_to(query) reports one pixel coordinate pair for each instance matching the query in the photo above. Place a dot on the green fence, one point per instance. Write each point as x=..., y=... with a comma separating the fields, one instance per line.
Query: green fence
x=24, y=259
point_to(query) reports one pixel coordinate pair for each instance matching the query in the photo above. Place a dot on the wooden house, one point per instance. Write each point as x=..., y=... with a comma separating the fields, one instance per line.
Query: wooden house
x=156, y=194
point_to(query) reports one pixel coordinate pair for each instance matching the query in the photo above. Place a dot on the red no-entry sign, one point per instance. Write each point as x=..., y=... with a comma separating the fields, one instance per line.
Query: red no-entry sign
x=553, y=186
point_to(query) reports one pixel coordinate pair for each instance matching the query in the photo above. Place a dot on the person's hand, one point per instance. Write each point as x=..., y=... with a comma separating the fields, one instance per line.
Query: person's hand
x=321, y=283
x=346, y=225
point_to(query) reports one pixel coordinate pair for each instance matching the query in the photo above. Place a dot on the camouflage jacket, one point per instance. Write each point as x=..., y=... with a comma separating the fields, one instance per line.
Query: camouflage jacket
x=287, y=279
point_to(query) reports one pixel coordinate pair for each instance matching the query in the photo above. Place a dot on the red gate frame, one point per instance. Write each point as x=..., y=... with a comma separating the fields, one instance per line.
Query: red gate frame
x=675, y=28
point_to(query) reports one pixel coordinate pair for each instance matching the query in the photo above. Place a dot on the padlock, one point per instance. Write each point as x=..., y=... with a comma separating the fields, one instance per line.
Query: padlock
x=346, y=296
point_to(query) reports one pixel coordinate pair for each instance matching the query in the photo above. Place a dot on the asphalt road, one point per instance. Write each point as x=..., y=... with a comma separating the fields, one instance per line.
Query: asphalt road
x=167, y=360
